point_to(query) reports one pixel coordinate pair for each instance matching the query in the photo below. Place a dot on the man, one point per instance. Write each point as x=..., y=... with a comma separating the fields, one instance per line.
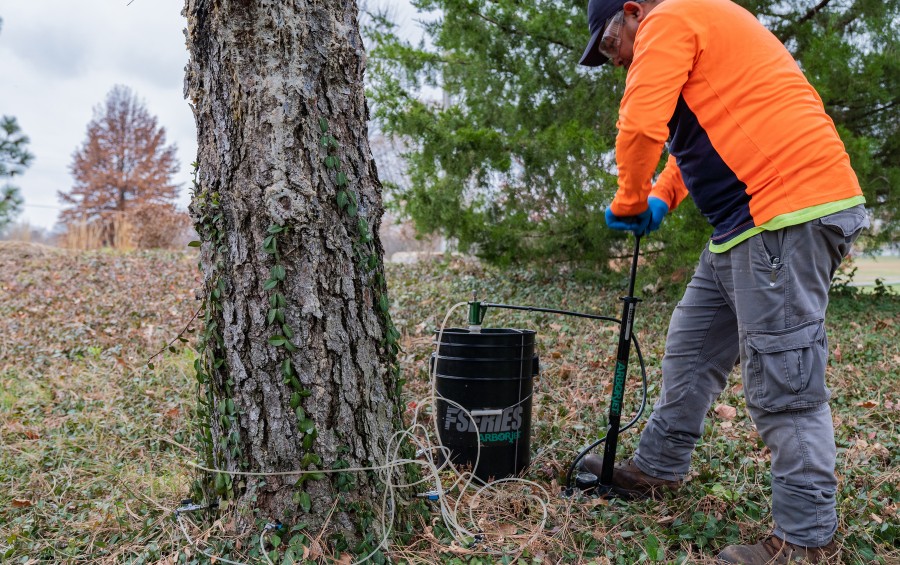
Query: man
x=749, y=140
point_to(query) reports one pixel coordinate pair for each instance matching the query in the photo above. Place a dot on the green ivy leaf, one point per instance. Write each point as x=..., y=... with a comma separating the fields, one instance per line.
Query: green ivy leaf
x=280, y=301
x=383, y=303
x=363, y=226
x=286, y=368
x=270, y=244
x=270, y=284
x=651, y=546
x=219, y=483
x=301, y=414
x=305, y=502
x=270, y=317
x=342, y=199
x=288, y=332
x=278, y=272
x=341, y=179
x=295, y=400
x=290, y=346
x=275, y=228
x=307, y=426
x=194, y=243
x=277, y=340
x=323, y=124
x=310, y=459
x=352, y=209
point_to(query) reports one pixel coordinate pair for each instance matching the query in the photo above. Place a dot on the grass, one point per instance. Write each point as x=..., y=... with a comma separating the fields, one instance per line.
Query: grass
x=885, y=268
x=94, y=445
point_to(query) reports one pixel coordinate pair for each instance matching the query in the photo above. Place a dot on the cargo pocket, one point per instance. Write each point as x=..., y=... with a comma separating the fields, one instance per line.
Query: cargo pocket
x=788, y=367
x=846, y=223
x=842, y=228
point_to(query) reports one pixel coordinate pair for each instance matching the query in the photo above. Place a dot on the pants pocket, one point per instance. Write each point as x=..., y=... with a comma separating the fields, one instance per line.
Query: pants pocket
x=846, y=223
x=787, y=367
x=842, y=228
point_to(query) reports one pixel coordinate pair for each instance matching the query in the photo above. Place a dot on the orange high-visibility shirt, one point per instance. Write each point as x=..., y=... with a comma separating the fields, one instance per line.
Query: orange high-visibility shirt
x=748, y=135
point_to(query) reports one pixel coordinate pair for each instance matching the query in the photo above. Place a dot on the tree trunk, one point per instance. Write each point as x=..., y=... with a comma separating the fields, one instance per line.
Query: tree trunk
x=288, y=204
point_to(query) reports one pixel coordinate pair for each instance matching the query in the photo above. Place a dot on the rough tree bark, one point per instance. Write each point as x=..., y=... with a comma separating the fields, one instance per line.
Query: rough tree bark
x=277, y=93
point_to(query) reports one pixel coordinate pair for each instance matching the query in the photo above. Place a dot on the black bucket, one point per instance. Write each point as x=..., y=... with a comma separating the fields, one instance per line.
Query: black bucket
x=491, y=375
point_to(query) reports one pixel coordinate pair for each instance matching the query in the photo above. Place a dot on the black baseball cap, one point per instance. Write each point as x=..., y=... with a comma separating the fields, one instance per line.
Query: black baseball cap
x=598, y=12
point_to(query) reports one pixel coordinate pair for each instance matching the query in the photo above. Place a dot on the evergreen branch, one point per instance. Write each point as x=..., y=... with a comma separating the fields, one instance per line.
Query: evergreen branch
x=515, y=31
x=789, y=32
x=811, y=13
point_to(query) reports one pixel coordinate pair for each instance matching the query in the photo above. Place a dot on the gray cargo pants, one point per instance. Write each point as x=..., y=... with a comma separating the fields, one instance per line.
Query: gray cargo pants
x=762, y=302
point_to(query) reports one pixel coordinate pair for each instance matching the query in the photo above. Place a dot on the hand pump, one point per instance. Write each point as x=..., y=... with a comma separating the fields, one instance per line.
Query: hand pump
x=586, y=480
x=618, y=392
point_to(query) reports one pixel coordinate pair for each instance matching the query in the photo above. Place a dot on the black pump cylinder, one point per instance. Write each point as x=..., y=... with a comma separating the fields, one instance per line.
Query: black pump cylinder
x=489, y=374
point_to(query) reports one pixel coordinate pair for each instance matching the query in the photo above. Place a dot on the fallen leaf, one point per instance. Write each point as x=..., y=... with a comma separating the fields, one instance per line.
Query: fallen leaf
x=506, y=529
x=21, y=503
x=867, y=404
x=456, y=548
x=838, y=355
x=726, y=412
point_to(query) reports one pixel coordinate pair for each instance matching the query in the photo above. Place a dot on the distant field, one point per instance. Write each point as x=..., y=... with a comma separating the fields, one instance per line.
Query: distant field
x=870, y=268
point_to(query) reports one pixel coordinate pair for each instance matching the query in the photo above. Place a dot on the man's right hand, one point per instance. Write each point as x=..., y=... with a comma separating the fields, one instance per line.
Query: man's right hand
x=647, y=221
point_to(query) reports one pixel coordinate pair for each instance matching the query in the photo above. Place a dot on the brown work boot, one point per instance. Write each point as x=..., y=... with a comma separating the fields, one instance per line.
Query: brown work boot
x=774, y=551
x=629, y=479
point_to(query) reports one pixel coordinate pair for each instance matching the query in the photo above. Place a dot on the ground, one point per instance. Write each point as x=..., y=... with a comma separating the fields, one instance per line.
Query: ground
x=97, y=445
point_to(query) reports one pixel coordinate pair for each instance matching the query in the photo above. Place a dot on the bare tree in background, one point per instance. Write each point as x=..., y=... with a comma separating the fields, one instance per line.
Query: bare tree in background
x=124, y=164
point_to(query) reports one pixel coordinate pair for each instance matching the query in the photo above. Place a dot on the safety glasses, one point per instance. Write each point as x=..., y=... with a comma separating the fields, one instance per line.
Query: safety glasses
x=611, y=39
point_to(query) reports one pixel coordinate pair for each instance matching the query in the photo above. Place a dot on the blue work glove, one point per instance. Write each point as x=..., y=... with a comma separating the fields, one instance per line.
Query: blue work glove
x=642, y=224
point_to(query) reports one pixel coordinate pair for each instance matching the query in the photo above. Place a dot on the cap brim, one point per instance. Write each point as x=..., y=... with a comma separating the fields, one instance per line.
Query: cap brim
x=592, y=56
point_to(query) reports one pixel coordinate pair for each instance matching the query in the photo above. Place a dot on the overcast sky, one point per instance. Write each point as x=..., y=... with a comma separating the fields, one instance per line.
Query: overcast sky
x=60, y=58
